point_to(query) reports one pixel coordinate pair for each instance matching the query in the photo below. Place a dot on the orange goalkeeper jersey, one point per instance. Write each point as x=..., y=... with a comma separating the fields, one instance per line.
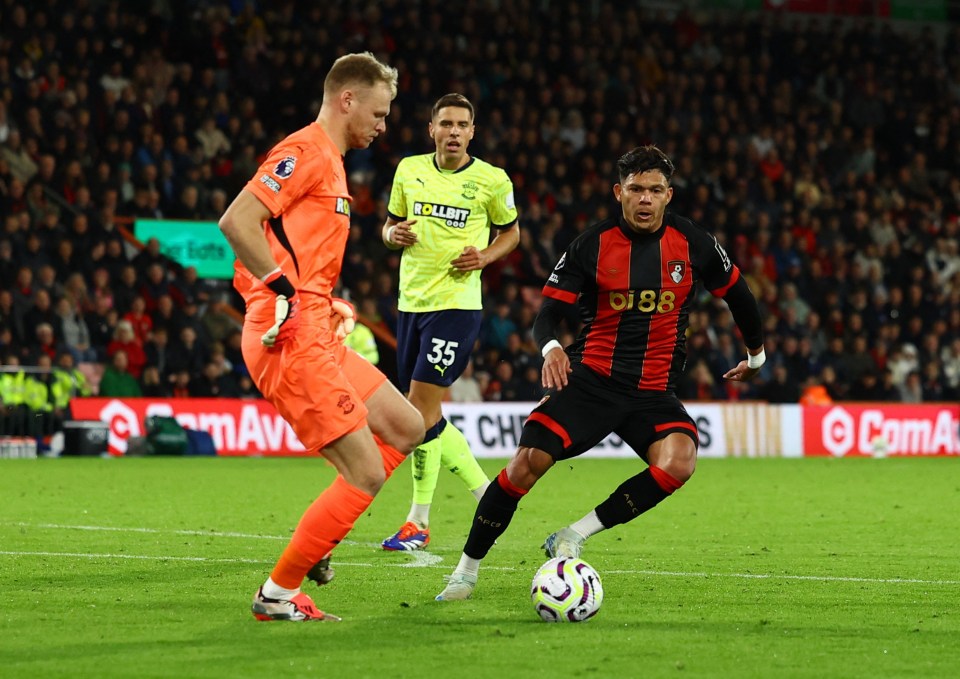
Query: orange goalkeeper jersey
x=304, y=185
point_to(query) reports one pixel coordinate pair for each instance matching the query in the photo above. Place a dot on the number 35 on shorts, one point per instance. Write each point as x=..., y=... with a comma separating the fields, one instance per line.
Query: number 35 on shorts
x=443, y=354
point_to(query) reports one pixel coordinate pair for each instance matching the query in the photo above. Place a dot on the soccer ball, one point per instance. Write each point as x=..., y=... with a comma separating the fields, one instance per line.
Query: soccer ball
x=566, y=590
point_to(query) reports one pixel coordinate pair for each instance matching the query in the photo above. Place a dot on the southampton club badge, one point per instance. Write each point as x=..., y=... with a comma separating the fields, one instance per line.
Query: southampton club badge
x=677, y=269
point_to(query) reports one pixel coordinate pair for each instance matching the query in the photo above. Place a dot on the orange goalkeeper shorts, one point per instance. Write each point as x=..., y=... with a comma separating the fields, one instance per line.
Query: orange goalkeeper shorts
x=316, y=384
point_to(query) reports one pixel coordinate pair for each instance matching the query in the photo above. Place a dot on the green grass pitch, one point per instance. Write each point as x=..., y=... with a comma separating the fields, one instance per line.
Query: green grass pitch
x=757, y=568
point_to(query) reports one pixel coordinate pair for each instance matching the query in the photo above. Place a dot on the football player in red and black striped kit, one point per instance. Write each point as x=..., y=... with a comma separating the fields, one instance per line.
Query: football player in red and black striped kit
x=635, y=279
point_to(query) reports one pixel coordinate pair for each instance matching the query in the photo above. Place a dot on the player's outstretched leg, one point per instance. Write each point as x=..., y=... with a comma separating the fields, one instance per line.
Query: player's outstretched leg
x=632, y=498
x=493, y=515
x=425, y=469
x=325, y=523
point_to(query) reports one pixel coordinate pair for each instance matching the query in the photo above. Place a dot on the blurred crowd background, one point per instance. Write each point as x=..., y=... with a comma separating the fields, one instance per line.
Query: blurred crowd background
x=823, y=153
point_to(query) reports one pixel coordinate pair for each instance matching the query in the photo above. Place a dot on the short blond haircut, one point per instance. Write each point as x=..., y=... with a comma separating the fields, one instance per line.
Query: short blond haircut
x=362, y=69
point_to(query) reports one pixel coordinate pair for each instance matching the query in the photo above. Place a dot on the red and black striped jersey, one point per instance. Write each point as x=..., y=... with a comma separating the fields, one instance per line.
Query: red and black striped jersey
x=635, y=292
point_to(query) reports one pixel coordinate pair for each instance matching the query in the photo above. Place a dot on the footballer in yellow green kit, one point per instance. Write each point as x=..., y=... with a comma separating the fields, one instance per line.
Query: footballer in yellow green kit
x=443, y=208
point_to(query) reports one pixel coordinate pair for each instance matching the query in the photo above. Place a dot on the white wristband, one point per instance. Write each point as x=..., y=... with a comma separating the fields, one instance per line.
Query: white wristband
x=756, y=360
x=265, y=276
x=388, y=241
x=550, y=346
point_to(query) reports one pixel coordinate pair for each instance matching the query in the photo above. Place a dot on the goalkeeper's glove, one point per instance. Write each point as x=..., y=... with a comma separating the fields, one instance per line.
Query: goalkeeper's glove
x=285, y=312
x=341, y=317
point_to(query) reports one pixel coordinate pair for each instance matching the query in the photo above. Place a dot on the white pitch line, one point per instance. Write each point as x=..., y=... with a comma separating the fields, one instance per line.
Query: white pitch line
x=775, y=576
x=419, y=559
x=424, y=559
x=437, y=559
x=119, y=529
x=81, y=555
x=432, y=562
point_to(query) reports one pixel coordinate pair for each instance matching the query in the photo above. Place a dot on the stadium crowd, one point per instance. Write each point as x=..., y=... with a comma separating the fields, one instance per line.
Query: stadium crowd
x=824, y=154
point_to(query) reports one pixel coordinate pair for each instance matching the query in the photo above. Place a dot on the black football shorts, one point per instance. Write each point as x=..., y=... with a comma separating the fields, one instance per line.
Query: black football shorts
x=570, y=422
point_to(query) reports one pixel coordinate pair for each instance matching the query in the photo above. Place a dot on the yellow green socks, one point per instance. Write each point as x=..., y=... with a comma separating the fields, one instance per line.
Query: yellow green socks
x=425, y=470
x=443, y=444
x=455, y=455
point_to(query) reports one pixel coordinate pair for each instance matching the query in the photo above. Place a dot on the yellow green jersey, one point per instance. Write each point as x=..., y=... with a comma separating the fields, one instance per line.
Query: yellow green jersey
x=453, y=209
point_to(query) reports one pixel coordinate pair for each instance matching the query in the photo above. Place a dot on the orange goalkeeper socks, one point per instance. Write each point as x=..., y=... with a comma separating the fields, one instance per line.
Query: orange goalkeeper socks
x=325, y=523
x=391, y=456
x=291, y=568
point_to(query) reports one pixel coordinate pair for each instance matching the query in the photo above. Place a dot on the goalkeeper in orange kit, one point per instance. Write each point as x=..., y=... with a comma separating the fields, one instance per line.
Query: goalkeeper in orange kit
x=289, y=227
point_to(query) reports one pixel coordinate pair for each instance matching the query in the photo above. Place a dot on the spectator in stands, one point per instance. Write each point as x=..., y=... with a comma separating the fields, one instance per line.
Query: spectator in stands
x=76, y=333
x=139, y=319
x=212, y=139
x=790, y=300
x=950, y=358
x=187, y=354
x=782, y=388
x=66, y=260
x=14, y=414
x=100, y=287
x=46, y=278
x=521, y=355
x=364, y=343
x=213, y=382
x=190, y=285
x=151, y=383
x=22, y=293
x=8, y=265
x=698, y=384
x=217, y=322
x=156, y=284
x=157, y=351
x=246, y=388
x=497, y=327
x=75, y=287
x=911, y=391
x=74, y=379
x=115, y=260
x=39, y=397
x=902, y=362
x=180, y=384
x=20, y=162
x=858, y=360
x=8, y=318
x=466, y=388
x=190, y=318
x=723, y=353
x=125, y=289
x=529, y=387
x=42, y=312
x=117, y=381
x=504, y=386
x=125, y=340
x=149, y=256
x=168, y=316
x=101, y=322
x=932, y=383
x=233, y=352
